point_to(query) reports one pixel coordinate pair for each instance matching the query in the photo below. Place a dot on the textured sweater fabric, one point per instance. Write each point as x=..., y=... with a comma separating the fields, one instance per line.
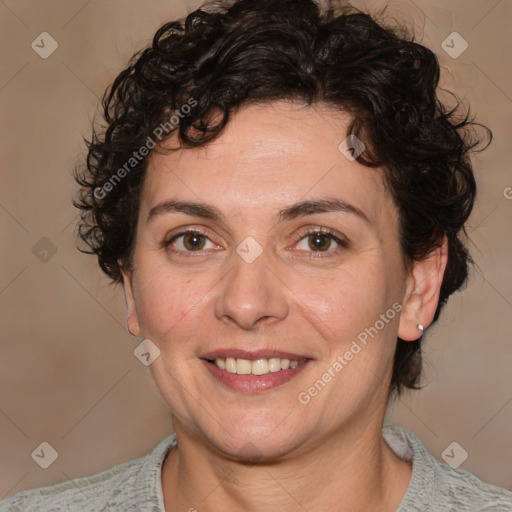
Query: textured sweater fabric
x=135, y=485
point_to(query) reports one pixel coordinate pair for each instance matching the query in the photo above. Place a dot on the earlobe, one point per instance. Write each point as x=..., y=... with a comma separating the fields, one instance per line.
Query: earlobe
x=422, y=294
x=131, y=316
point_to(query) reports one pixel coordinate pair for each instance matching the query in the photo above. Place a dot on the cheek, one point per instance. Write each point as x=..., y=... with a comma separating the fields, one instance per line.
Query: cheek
x=166, y=303
x=358, y=344
x=346, y=301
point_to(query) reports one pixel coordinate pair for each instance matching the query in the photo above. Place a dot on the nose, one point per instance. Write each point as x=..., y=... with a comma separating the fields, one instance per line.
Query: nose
x=251, y=294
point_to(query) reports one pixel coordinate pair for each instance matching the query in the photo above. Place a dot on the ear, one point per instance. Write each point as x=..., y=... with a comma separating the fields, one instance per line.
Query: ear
x=131, y=319
x=422, y=293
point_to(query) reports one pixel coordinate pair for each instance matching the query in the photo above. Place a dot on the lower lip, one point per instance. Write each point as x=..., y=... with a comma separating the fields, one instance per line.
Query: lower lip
x=254, y=383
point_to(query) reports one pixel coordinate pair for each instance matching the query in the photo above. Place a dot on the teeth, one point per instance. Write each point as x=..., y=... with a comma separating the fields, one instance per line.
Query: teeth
x=256, y=367
x=243, y=367
x=274, y=364
x=230, y=365
x=260, y=367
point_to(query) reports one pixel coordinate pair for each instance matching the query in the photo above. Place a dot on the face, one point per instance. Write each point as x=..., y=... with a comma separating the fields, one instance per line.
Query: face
x=256, y=276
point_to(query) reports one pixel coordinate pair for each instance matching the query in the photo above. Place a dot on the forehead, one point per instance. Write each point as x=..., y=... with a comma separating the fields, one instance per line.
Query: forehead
x=268, y=156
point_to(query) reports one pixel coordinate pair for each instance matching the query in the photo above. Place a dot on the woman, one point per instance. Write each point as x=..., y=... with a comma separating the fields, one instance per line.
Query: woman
x=283, y=197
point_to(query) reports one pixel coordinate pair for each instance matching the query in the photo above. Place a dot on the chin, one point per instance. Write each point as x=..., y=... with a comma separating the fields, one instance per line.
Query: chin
x=255, y=442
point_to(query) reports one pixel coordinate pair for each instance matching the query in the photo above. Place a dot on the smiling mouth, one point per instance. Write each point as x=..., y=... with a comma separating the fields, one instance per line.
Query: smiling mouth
x=256, y=367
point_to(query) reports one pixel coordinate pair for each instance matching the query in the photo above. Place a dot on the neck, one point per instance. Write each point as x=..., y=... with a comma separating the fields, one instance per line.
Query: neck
x=352, y=471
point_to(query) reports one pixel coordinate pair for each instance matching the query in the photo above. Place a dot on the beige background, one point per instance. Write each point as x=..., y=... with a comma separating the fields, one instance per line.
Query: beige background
x=67, y=369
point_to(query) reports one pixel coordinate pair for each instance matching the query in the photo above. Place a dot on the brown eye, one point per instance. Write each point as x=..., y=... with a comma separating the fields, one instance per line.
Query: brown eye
x=189, y=241
x=193, y=241
x=319, y=241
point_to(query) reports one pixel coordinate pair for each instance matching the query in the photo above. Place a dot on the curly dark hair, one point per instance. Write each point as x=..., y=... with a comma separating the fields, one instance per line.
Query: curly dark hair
x=228, y=54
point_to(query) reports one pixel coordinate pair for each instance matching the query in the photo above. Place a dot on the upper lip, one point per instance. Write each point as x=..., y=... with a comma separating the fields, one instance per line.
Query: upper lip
x=252, y=354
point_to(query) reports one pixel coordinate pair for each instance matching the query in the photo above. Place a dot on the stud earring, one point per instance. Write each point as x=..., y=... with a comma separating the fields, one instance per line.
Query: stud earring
x=420, y=327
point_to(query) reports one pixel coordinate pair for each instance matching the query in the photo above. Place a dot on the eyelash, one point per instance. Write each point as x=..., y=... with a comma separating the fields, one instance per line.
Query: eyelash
x=343, y=244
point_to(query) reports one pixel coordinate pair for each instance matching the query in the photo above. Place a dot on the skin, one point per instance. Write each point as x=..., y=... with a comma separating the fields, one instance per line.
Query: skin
x=267, y=451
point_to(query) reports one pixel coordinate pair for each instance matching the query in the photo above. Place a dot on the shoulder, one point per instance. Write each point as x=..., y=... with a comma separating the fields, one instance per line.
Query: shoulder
x=464, y=489
x=132, y=485
x=436, y=487
x=87, y=493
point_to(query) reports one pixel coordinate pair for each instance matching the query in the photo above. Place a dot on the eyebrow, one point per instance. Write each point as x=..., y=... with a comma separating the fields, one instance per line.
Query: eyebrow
x=296, y=210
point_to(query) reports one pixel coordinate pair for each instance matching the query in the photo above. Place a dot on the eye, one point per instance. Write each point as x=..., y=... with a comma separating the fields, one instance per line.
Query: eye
x=320, y=240
x=190, y=240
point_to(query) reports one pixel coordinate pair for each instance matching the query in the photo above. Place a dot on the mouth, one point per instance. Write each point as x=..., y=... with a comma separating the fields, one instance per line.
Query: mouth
x=261, y=366
x=256, y=371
